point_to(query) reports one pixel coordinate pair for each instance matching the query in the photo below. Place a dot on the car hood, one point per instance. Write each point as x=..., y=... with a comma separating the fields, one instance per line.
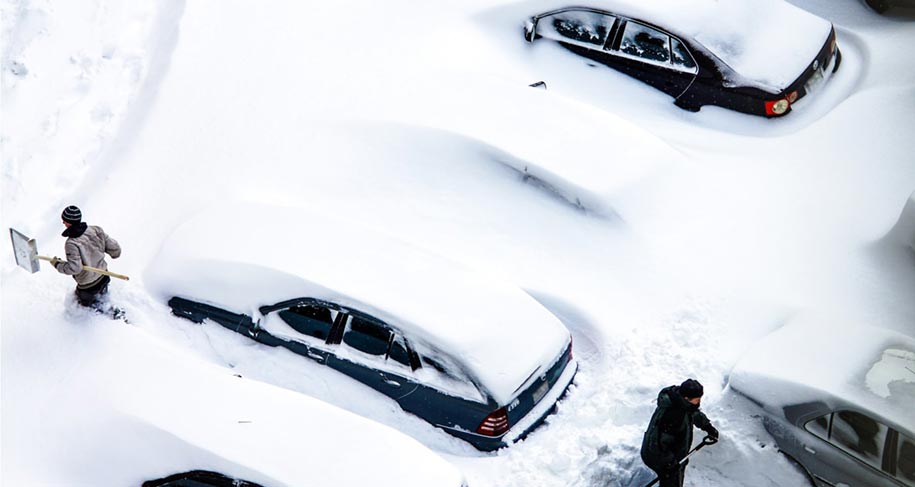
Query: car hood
x=768, y=43
x=496, y=330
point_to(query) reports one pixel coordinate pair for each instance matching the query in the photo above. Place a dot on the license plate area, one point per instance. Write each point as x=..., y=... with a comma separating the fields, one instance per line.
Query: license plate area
x=541, y=391
x=820, y=75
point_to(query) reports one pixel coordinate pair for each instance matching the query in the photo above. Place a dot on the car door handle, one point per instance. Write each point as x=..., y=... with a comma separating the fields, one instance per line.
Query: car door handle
x=391, y=382
x=316, y=356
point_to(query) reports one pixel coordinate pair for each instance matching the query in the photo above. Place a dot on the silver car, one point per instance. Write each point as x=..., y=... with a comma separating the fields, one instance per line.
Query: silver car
x=839, y=400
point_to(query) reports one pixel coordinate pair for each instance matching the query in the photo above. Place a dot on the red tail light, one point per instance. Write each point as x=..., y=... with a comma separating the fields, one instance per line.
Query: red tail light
x=777, y=107
x=495, y=424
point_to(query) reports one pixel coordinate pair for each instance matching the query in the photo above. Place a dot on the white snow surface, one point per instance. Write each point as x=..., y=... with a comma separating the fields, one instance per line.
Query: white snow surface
x=695, y=236
x=767, y=42
x=154, y=410
x=287, y=253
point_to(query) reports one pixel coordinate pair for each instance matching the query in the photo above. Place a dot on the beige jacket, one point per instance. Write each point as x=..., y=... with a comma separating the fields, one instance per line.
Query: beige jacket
x=87, y=245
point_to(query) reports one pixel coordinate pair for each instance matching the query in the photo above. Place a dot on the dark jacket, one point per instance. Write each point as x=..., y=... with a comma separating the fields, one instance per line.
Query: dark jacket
x=670, y=432
x=87, y=245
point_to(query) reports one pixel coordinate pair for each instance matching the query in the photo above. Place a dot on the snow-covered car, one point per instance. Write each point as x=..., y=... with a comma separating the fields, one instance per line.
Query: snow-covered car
x=473, y=355
x=905, y=8
x=199, y=478
x=838, y=399
x=131, y=409
x=758, y=57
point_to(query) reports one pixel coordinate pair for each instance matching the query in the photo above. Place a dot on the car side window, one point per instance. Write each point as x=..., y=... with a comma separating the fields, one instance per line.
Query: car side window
x=587, y=28
x=314, y=321
x=859, y=436
x=682, y=59
x=905, y=460
x=399, y=353
x=819, y=426
x=367, y=336
x=646, y=43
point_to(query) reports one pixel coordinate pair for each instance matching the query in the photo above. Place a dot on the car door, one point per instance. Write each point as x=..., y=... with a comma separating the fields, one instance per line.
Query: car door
x=654, y=57
x=860, y=450
x=363, y=354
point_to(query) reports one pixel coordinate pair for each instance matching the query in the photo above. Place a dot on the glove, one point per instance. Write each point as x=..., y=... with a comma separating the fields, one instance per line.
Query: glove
x=712, y=432
x=54, y=261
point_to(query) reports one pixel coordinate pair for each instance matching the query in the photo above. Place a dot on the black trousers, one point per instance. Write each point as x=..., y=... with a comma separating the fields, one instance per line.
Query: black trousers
x=671, y=478
x=89, y=296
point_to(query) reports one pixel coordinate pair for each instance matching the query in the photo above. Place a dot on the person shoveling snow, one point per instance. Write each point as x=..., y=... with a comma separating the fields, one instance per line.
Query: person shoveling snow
x=85, y=249
x=665, y=446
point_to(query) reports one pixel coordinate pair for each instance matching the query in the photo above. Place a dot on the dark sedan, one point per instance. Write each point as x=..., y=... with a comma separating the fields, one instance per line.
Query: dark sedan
x=684, y=68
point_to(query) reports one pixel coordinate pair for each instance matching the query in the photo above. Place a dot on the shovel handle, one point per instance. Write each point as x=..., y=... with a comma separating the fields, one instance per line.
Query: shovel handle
x=93, y=269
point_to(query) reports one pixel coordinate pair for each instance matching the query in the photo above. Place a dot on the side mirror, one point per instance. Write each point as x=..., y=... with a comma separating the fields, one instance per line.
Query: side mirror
x=530, y=29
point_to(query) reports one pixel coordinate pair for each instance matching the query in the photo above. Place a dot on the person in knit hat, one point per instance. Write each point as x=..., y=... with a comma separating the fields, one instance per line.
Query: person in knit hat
x=85, y=245
x=670, y=432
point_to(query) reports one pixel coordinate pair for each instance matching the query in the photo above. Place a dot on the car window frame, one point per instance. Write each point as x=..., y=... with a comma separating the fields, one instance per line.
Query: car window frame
x=888, y=448
x=333, y=336
x=351, y=354
x=621, y=29
x=611, y=34
x=897, y=444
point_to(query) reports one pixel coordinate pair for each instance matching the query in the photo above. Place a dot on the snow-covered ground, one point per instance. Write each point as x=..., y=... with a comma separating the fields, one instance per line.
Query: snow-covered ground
x=668, y=242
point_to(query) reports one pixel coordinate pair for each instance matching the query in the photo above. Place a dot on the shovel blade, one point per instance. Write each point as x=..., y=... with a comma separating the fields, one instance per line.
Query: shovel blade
x=25, y=250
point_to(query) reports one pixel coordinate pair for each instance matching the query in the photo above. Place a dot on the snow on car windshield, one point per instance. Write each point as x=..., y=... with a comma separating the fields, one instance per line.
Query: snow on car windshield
x=893, y=376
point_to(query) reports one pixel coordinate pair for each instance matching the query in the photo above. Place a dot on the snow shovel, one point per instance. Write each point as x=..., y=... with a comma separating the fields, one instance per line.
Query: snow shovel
x=708, y=440
x=26, y=251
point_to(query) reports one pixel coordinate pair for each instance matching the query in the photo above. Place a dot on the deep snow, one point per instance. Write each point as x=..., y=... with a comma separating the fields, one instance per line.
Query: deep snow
x=415, y=119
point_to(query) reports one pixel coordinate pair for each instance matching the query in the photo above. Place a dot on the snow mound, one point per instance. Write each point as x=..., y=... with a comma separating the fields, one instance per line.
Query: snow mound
x=904, y=231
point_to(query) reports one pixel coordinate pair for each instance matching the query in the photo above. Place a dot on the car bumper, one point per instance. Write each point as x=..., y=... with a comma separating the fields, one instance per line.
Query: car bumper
x=534, y=418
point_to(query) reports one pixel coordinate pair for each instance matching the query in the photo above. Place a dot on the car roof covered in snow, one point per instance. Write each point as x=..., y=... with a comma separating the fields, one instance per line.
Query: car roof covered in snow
x=144, y=409
x=246, y=256
x=767, y=42
x=817, y=359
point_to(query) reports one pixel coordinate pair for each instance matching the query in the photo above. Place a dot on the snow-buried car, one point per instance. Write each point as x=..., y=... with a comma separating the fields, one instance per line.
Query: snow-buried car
x=475, y=356
x=757, y=57
x=838, y=400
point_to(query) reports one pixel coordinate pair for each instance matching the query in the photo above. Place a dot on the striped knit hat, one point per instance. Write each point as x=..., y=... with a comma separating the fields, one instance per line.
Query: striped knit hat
x=72, y=215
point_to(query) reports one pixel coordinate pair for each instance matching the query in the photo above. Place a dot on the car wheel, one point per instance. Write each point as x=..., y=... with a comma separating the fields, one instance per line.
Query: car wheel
x=800, y=469
x=690, y=107
x=881, y=6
